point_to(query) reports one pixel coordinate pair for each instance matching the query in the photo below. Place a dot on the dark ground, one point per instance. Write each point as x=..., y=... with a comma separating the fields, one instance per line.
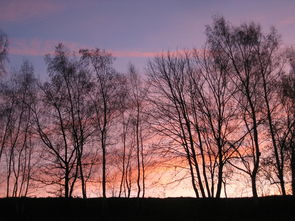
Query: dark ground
x=268, y=208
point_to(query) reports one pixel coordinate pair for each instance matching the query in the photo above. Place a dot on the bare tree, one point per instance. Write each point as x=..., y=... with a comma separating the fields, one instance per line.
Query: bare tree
x=244, y=45
x=127, y=148
x=270, y=67
x=287, y=141
x=215, y=114
x=195, y=106
x=3, y=57
x=18, y=94
x=137, y=96
x=63, y=121
x=168, y=77
x=3, y=51
x=105, y=99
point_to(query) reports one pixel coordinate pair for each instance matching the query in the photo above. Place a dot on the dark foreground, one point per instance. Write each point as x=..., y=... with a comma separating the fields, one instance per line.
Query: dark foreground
x=269, y=208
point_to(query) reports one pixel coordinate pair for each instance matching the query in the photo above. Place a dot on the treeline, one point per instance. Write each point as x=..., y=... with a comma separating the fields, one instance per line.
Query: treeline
x=217, y=114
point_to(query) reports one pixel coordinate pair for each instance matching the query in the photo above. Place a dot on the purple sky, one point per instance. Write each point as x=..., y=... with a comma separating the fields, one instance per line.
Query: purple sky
x=133, y=30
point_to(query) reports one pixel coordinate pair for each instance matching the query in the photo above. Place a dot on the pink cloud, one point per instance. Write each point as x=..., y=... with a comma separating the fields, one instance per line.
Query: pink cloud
x=150, y=54
x=33, y=47
x=37, y=47
x=288, y=21
x=15, y=10
x=133, y=54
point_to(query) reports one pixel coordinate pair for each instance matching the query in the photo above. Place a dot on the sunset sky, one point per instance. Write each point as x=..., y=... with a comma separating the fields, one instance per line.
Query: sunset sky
x=133, y=30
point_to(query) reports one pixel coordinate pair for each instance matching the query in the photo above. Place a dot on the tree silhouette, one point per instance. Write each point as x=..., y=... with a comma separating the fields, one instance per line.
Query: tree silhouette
x=250, y=54
x=17, y=140
x=105, y=99
x=3, y=51
x=288, y=101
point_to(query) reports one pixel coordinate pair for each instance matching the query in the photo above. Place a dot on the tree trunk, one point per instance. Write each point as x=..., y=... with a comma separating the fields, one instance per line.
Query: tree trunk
x=67, y=182
x=138, y=154
x=193, y=177
x=279, y=164
x=253, y=182
x=293, y=168
x=103, y=168
x=220, y=179
x=123, y=165
x=142, y=165
x=257, y=150
x=83, y=185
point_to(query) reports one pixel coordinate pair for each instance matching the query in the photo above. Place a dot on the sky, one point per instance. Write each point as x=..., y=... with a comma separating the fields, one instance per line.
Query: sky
x=132, y=30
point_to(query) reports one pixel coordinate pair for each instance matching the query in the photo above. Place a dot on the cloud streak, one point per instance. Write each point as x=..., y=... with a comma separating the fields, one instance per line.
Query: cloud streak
x=288, y=21
x=37, y=47
x=14, y=10
x=134, y=54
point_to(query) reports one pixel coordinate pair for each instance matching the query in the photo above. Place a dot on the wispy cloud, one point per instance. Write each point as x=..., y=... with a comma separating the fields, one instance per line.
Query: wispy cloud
x=37, y=47
x=15, y=10
x=134, y=54
x=288, y=21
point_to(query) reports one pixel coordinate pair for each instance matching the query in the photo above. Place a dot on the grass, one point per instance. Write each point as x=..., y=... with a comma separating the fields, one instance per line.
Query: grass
x=267, y=208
